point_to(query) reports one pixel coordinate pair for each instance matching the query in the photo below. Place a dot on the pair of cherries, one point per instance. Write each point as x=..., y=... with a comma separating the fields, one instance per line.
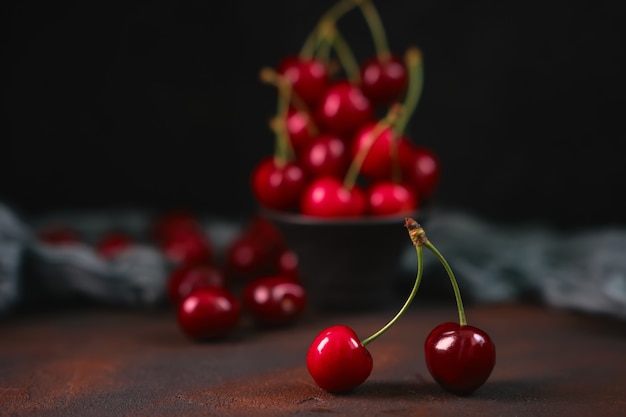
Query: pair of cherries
x=459, y=357
x=341, y=150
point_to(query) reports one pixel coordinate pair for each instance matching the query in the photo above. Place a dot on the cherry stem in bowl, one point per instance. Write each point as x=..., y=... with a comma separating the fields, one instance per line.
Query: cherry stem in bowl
x=377, y=29
x=283, y=150
x=413, y=61
x=355, y=166
x=332, y=15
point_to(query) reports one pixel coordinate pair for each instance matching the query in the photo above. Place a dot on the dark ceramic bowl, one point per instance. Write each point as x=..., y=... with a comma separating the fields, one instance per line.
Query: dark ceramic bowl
x=347, y=264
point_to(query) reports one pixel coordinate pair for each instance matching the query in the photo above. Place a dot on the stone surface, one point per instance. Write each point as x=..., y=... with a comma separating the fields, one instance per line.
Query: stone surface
x=97, y=362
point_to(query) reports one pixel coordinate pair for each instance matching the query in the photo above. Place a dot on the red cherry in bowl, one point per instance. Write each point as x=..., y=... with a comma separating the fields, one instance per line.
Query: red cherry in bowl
x=384, y=80
x=343, y=109
x=459, y=358
x=328, y=155
x=337, y=361
x=308, y=77
x=421, y=167
x=191, y=276
x=208, y=313
x=278, y=186
x=390, y=198
x=379, y=161
x=327, y=197
x=300, y=129
x=274, y=299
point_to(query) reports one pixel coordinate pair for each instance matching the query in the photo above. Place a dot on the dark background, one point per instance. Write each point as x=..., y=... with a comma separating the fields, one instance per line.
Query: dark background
x=159, y=104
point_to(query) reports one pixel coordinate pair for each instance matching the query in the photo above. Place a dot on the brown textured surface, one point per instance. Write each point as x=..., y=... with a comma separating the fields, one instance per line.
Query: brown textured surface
x=96, y=362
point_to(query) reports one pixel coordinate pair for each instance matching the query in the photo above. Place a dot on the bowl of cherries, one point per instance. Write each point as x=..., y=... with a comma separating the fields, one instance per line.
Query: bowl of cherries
x=344, y=171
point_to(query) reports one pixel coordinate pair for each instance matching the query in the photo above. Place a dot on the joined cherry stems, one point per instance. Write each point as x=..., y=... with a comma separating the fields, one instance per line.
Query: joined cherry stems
x=419, y=239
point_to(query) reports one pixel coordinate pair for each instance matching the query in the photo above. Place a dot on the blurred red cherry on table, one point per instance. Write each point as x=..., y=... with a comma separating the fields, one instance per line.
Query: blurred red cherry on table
x=191, y=276
x=113, y=243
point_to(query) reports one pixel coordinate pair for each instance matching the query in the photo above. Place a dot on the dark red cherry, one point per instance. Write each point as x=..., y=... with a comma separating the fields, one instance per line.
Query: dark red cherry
x=459, y=358
x=343, y=109
x=422, y=169
x=278, y=186
x=113, y=243
x=380, y=159
x=187, y=246
x=59, y=235
x=308, y=77
x=208, y=313
x=390, y=198
x=249, y=255
x=337, y=361
x=327, y=197
x=274, y=299
x=384, y=80
x=167, y=224
x=287, y=264
x=328, y=155
x=191, y=276
x=300, y=129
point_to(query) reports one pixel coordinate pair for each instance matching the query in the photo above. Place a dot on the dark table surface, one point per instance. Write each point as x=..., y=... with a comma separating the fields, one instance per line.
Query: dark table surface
x=117, y=362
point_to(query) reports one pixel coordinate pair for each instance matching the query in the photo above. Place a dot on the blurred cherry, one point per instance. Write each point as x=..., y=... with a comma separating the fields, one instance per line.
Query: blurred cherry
x=113, y=243
x=328, y=155
x=343, y=109
x=421, y=168
x=190, y=276
x=277, y=186
x=384, y=80
x=308, y=77
x=327, y=197
x=390, y=198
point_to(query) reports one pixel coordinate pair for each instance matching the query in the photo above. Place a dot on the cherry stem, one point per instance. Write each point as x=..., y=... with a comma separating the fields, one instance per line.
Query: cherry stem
x=407, y=303
x=377, y=29
x=455, y=286
x=355, y=166
x=413, y=61
x=283, y=150
x=332, y=15
x=346, y=57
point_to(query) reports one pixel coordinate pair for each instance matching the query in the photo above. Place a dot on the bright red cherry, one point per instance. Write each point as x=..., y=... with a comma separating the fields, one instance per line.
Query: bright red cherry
x=274, y=299
x=388, y=198
x=278, y=186
x=300, y=129
x=422, y=169
x=189, y=277
x=328, y=155
x=459, y=358
x=343, y=109
x=208, y=313
x=384, y=81
x=327, y=197
x=113, y=243
x=337, y=361
x=379, y=162
x=187, y=246
x=308, y=77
